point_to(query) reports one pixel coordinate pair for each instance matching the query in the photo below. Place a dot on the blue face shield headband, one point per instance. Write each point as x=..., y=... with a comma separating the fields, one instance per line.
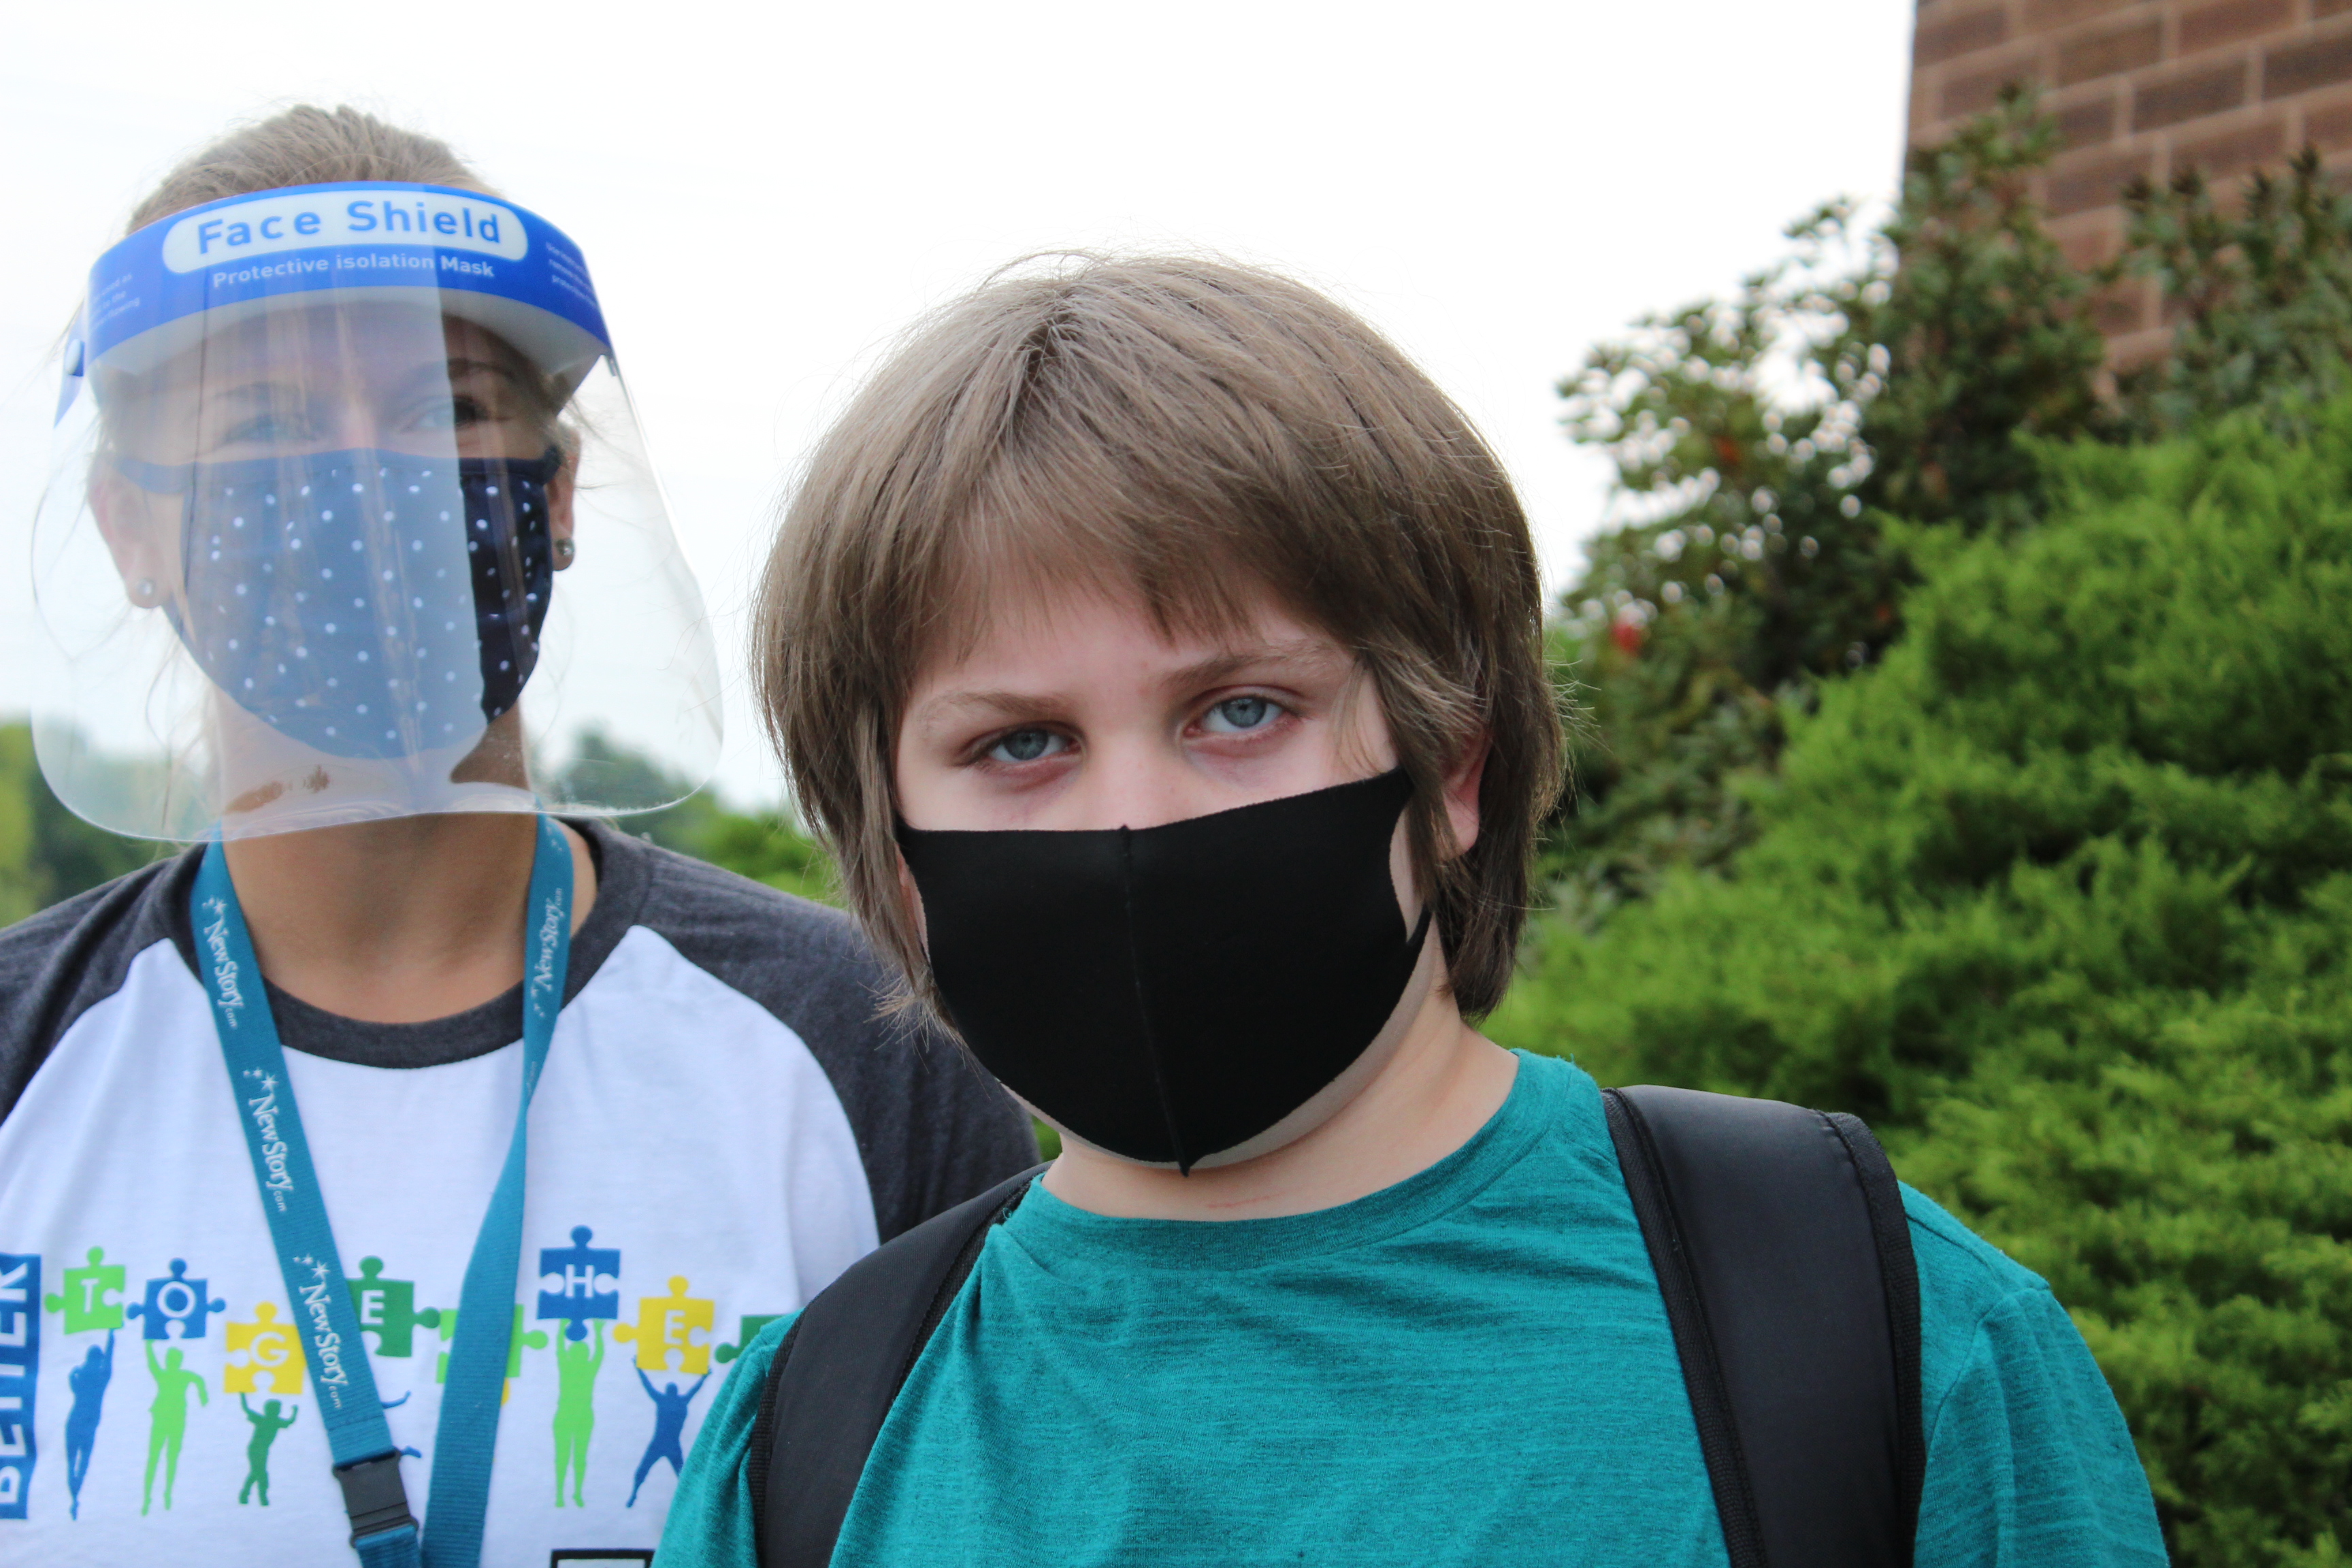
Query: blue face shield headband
x=313, y=602
x=182, y=279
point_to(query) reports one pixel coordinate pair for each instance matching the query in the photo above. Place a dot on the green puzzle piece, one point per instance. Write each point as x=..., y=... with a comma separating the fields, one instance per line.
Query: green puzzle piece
x=387, y=1308
x=743, y=1337
x=536, y=1339
x=84, y=1301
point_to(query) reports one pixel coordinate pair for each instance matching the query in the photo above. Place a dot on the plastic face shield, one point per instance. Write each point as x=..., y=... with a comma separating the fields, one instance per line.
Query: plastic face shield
x=349, y=519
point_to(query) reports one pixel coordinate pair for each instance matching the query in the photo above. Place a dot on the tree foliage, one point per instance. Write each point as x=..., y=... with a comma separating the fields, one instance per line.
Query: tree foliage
x=1761, y=441
x=2261, y=292
x=2057, y=897
x=47, y=853
x=765, y=846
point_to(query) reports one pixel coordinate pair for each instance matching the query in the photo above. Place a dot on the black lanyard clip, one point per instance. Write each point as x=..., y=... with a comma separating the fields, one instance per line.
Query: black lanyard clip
x=374, y=1496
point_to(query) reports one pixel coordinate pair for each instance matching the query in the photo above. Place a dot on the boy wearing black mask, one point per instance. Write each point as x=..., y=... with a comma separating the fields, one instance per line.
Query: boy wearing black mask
x=1161, y=653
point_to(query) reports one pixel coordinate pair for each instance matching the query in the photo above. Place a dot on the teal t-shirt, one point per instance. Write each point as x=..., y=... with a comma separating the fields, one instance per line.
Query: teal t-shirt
x=1470, y=1368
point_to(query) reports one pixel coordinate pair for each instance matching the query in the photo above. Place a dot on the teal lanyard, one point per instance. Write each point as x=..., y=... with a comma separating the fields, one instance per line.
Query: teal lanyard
x=367, y=1465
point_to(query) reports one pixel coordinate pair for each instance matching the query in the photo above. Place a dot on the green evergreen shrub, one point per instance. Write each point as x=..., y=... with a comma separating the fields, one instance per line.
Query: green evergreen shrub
x=2059, y=897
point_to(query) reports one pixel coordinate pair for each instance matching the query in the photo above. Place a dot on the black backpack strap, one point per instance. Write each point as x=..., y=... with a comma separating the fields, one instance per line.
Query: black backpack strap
x=1780, y=1245
x=840, y=1369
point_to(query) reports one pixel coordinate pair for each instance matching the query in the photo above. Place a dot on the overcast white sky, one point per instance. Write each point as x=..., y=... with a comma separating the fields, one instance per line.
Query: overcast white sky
x=767, y=193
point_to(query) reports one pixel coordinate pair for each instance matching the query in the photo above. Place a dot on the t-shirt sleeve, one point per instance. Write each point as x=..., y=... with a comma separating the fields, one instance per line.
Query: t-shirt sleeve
x=710, y=1517
x=932, y=1128
x=977, y=1135
x=2029, y=1462
x=56, y=964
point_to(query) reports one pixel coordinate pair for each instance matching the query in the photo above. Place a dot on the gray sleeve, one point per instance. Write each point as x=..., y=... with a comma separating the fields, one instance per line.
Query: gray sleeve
x=932, y=1128
x=55, y=966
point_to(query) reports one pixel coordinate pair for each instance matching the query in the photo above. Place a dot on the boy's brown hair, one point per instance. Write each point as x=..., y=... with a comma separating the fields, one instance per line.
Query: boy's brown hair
x=1182, y=430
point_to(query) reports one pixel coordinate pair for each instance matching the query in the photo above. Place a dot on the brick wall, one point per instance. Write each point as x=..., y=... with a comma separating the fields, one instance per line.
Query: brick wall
x=2142, y=86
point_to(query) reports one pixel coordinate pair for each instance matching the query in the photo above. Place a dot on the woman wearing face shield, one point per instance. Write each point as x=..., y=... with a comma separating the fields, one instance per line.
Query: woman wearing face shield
x=410, y=1091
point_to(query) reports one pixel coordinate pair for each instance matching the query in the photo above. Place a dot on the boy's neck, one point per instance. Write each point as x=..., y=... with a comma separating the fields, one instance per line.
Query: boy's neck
x=397, y=921
x=1441, y=1083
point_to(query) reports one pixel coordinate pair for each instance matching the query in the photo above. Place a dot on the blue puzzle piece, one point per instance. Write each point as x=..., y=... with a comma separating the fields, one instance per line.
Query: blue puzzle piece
x=175, y=1308
x=579, y=1282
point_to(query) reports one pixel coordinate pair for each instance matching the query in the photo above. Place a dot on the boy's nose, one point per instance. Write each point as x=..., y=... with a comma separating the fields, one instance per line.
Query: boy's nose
x=1136, y=784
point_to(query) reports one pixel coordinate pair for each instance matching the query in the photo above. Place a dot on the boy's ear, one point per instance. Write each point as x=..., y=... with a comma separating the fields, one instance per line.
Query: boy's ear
x=914, y=901
x=1462, y=784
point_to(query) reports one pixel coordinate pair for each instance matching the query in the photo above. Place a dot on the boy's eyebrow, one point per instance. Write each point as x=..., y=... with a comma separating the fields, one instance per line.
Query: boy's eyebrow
x=1005, y=705
x=1307, y=654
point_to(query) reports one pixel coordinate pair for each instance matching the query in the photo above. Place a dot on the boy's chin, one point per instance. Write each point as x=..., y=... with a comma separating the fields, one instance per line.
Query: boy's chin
x=1327, y=1102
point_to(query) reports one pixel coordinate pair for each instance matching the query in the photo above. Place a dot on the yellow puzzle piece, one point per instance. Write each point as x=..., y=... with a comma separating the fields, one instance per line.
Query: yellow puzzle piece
x=667, y=1323
x=276, y=1358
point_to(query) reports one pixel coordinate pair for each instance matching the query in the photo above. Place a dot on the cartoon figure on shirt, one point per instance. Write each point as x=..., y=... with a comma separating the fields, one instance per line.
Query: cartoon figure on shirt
x=169, y=1413
x=576, y=1366
x=89, y=1383
x=266, y=1424
x=669, y=1428
x=90, y=1302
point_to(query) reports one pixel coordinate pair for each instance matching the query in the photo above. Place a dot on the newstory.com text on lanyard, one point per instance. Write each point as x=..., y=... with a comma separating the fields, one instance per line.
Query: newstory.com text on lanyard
x=367, y=1464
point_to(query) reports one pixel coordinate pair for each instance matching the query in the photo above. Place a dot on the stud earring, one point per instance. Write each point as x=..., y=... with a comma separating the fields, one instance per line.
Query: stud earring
x=564, y=551
x=143, y=594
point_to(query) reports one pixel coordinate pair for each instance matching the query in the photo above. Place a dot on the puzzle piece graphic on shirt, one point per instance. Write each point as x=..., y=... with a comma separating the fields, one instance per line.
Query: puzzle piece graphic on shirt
x=84, y=1301
x=275, y=1363
x=752, y=1324
x=667, y=1323
x=536, y=1339
x=387, y=1308
x=579, y=1282
x=177, y=1303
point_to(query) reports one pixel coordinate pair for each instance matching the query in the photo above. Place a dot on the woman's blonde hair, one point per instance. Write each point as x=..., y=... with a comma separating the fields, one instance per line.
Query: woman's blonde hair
x=1184, y=430
x=306, y=145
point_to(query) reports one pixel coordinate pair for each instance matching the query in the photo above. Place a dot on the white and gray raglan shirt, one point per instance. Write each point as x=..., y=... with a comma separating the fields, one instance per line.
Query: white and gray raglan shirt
x=723, y=1125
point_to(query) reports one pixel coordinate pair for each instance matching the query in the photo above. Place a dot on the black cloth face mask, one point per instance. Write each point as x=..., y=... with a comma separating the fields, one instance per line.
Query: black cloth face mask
x=1170, y=993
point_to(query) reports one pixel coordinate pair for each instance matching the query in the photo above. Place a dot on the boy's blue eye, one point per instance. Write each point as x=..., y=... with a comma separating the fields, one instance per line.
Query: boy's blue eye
x=1027, y=746
x=1238, y=715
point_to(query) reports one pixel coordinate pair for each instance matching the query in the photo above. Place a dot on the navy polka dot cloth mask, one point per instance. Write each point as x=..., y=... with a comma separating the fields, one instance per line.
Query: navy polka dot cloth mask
x=325, y=596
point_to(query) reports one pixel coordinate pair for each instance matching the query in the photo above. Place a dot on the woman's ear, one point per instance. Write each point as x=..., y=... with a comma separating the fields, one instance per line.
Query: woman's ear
x=1462, y=791
x=127, y=522
x=560, y=491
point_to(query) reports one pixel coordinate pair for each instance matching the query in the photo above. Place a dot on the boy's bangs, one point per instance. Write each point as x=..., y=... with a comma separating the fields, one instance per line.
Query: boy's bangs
x=1062, y=522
